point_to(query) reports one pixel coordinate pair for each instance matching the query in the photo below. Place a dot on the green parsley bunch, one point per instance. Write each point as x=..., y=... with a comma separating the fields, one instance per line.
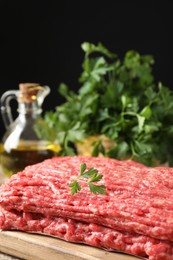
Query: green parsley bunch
x=120, y=99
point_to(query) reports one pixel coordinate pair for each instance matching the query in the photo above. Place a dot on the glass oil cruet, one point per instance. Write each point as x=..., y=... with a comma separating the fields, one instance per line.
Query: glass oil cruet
x=21, y=145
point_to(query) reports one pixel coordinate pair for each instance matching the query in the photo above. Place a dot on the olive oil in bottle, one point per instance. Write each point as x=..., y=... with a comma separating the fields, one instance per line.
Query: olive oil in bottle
x=27, y=153
x=21, y=146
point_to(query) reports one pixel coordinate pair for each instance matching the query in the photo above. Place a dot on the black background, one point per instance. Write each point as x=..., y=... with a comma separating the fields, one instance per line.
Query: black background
x=40, y=40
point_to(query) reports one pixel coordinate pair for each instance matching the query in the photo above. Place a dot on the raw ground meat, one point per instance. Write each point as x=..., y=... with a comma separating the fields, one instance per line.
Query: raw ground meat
x=135, y=215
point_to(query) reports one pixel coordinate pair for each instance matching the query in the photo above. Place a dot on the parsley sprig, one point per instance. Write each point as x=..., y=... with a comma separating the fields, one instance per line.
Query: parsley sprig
x=92, y=175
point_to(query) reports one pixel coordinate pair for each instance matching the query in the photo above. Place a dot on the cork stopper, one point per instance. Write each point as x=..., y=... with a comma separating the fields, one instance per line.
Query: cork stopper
x=28, y=92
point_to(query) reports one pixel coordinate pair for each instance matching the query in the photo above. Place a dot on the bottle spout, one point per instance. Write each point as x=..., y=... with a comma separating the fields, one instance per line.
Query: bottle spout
x=42, y=93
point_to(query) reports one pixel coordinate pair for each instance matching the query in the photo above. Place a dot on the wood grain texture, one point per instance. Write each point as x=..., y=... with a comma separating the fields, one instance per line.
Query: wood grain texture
x=35, y=246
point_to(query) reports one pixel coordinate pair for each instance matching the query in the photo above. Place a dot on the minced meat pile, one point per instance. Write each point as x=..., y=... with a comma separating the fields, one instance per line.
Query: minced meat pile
x=135, y=216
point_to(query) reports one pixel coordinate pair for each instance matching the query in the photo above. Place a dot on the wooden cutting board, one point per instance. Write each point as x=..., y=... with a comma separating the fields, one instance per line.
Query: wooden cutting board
x=39, y=247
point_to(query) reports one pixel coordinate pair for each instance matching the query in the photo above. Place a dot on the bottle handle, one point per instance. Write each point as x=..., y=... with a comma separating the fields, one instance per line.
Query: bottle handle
x=6, y=108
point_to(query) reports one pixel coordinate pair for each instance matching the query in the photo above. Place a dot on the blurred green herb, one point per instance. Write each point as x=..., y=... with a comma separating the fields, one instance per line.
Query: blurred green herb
x=120, y=99
x=91, y=174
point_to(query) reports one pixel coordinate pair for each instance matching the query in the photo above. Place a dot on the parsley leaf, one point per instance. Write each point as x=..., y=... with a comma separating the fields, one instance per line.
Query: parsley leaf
x=75, y=187
x=97, y=189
